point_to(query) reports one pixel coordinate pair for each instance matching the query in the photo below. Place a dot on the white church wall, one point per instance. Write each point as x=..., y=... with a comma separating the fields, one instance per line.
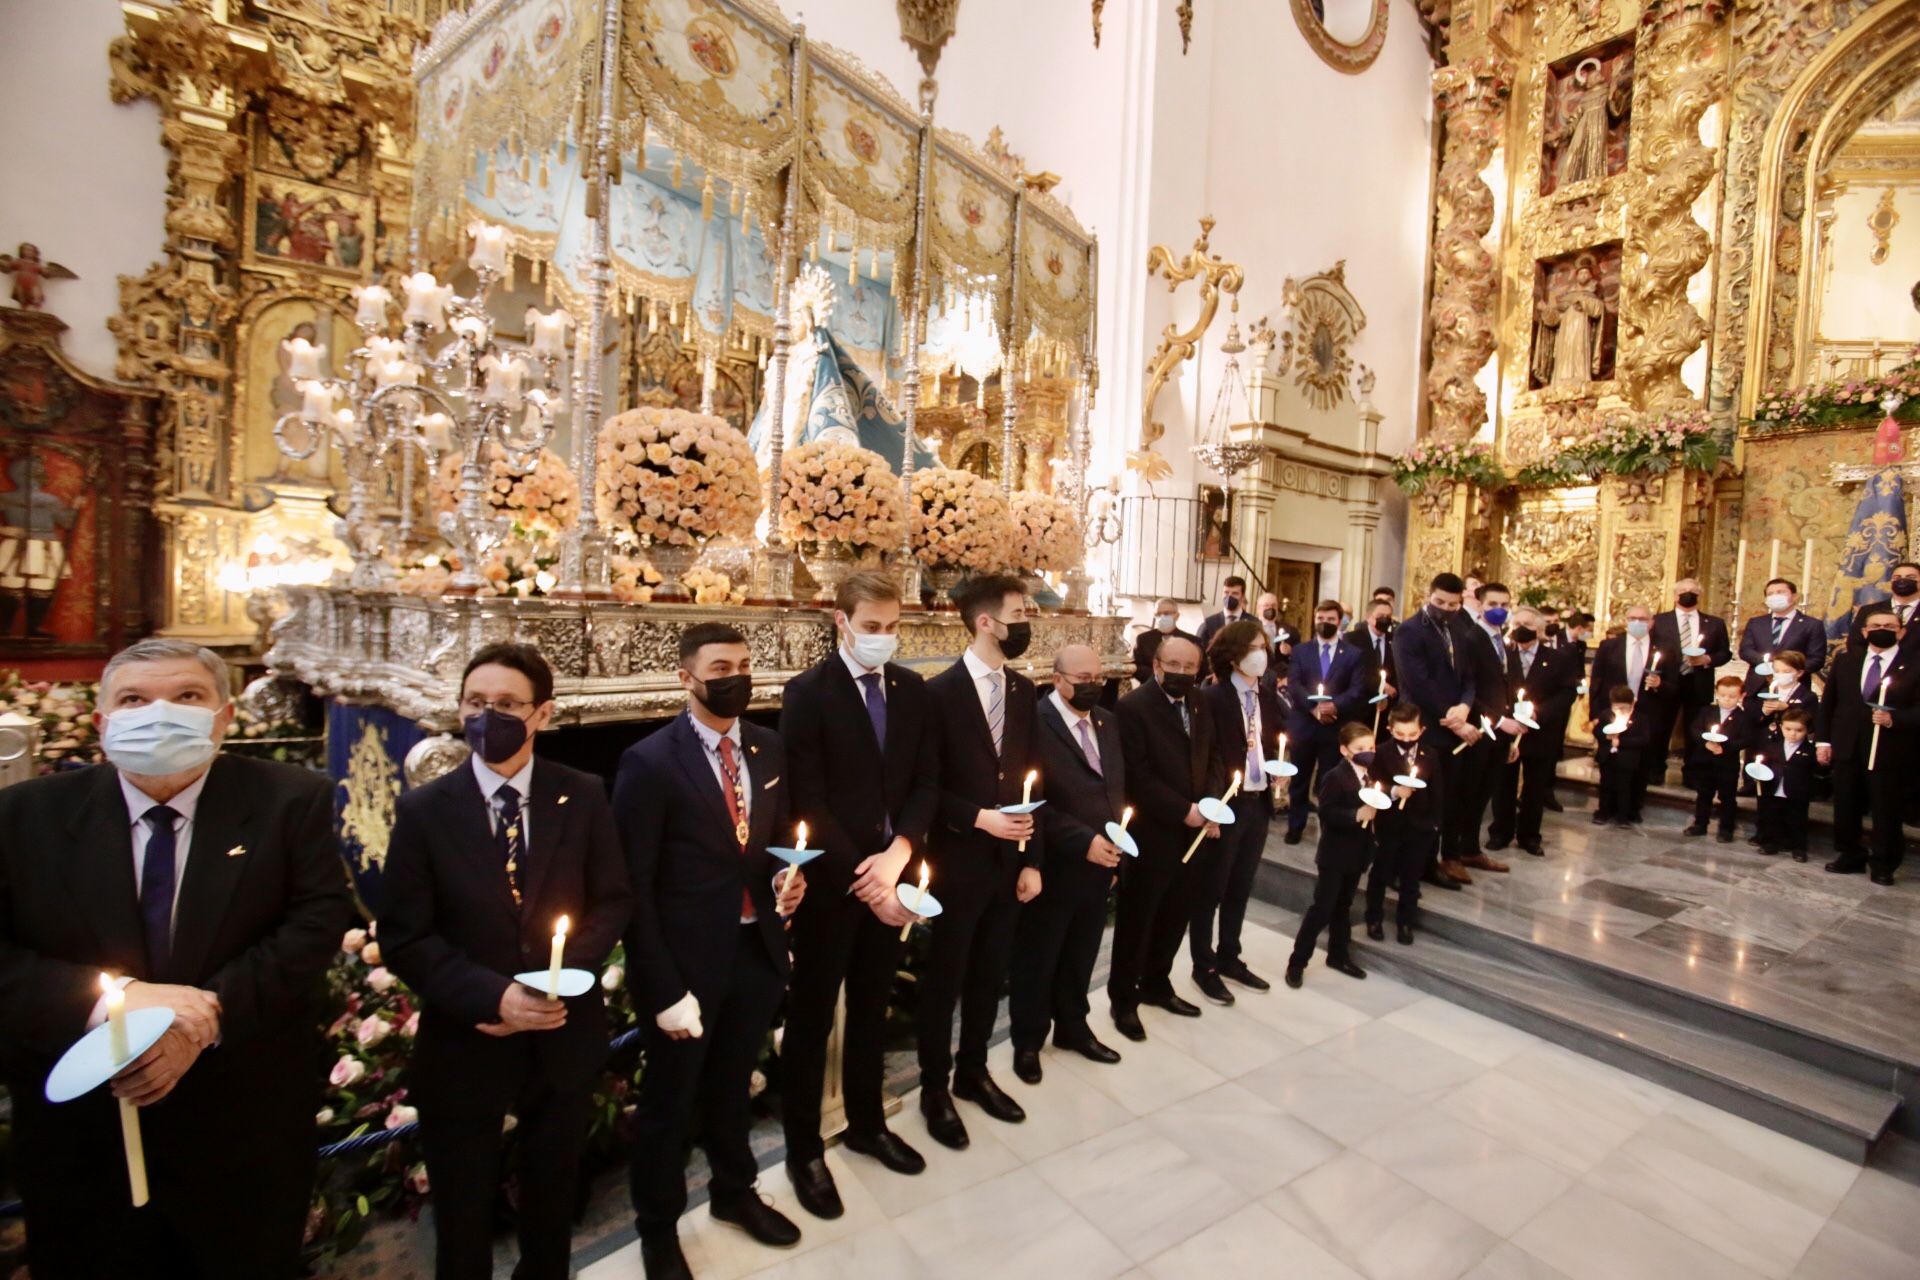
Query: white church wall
x=1865, y=300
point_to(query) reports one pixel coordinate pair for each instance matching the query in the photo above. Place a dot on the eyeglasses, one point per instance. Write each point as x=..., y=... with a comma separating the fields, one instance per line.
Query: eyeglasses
x=518, y=708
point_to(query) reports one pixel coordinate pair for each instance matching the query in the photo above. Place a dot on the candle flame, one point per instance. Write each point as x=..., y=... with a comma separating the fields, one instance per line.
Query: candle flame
x=106, y=982
x=1126, y=816
x=1033, y=776
x=1323, y=688
x=1413, y=771
x=1523, y=696
x=1236, y=777
x=800, y=841
x=560, y=927
x=926, y=874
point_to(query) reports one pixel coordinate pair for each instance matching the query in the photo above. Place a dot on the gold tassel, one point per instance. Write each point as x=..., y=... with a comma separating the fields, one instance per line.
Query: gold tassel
x=733, y=201
x=543, y=172
x=873, y=263
x=613, y=167
x=853, y=262
x=533, y=270
x=593, y=199
x=549, y=291
x=491, y=170
x=633, y=304
x=677, y=172
x=706, y=200
x=813, y=251
x=526, y=168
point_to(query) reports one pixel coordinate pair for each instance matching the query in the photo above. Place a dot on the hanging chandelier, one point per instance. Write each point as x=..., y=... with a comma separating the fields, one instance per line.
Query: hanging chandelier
x=1217, y=448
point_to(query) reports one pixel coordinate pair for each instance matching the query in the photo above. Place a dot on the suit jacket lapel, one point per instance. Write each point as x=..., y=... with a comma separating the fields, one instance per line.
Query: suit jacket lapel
x=548, y=826
x=971, y=708
x=1108, y=735
x=100, y=874
x=759, y=772
x=691, y=756
x=213, y=871
x=851, y=705
x=465, y=809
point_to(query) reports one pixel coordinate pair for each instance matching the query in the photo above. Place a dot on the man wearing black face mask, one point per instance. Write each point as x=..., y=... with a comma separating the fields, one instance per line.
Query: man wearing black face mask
x=1375, y=636
x=1703, y=643
x=1903, y=597
x=1233, y=600
x=698, y=804
x=1437, y=674
x=1873, y=686
x=540, y=843
x=983, y=722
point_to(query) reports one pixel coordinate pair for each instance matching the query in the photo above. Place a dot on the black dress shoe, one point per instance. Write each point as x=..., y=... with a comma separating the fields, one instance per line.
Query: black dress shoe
x=1213, y=988
x=943, y=1122
x=889, y=1149
x=1553, y=803
x=1600, y=819
x=662, y=1260
x=1754, y=840
x=813, y=1188
x=1725, y=837
x=1173, y=1004
x=1026, y=1065
x=1376, y=931
x=1495, y=844
x=1347, y=966
x=1237, y=971
x=1844, y=866
x=758, y=1219
x=1293, y=837
x=1127, y=1023
x=1439, y=881
x=1295, y=977
x=1881, y=877
x=1404, y=935
x=1535, y=848
x=1090, y=1049
x=989, y=1097
x=1694, y=829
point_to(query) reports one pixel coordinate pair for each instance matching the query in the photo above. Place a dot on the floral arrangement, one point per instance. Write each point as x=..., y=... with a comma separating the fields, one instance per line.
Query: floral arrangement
x=1632, y=444
x=1431, y=460
x=1841, y=400
x=632, y=578
x=676, y=477
x=65, y=713
x=709, y=586
x=960, y=521
x=839, y=492
x=1046, y=534
x=543, y=499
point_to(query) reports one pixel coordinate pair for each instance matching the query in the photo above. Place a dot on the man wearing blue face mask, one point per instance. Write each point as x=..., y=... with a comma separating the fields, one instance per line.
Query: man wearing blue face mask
x=198, y=882
x=1650, y=669
x=482, y=863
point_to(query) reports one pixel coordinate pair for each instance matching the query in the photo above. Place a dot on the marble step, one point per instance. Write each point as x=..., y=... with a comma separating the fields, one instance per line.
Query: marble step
x=1750, y=1067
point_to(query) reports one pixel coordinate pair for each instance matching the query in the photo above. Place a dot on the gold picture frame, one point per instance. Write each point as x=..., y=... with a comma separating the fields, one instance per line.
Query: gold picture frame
x=293, y=225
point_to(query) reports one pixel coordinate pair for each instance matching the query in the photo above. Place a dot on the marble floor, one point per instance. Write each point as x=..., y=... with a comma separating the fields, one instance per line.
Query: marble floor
x=1351, y=1130
x=1837, y=955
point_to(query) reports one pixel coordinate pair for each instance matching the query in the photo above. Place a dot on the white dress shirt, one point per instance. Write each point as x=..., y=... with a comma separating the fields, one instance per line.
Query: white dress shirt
x=983, y=684
x=138, y=802
x=1071, y=716
x=490, y=784
x=857, y=671
x=1636, y=662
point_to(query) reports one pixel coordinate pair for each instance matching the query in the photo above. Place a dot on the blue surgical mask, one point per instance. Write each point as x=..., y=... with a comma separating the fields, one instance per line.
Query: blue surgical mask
x=1637, y=629
x=159, y=738
x=1496, y=616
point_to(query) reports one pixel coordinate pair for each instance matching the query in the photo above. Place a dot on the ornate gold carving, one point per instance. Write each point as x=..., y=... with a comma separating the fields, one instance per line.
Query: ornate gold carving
x=1435, y=503
x=1216, y=276
x=371, y=786
x=1324, y=318
x=1353, y=58
x=316, y=140
x=1637, y=572
x=1472, y=99
x=1541, y=538
x=1881, y=223
x=926, y=26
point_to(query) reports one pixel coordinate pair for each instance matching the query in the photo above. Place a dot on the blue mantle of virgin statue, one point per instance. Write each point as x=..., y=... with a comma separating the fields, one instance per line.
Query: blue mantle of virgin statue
x=366, y=748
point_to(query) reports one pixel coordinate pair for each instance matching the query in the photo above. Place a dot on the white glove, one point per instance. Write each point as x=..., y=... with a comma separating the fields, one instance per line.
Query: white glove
x=682, y=1015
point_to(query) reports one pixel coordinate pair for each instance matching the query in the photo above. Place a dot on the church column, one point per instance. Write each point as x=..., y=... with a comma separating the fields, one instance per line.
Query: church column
x=1356, y=557
x=1254, y=493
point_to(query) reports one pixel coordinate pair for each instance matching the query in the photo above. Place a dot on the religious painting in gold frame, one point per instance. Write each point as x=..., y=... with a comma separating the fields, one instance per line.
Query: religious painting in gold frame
x=1216, y=524
x=296, y=225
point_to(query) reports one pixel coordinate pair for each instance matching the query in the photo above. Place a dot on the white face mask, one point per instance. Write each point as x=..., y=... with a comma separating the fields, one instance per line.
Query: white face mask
x=1163, y=622
x=159, y=738
x=1779, y=601
x=1254, y=665
x=872, y=651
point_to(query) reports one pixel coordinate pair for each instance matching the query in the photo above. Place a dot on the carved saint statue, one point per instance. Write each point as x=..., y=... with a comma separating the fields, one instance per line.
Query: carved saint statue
x=1587, y=108
x=1567, y=348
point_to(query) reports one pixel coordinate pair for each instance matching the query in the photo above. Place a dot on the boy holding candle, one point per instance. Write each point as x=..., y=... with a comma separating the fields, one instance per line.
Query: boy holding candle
x=1713, y=763
x=1618, y=755
x=503, y=866
x=1785, y=797
x=1346, y=849
x=1407, y=833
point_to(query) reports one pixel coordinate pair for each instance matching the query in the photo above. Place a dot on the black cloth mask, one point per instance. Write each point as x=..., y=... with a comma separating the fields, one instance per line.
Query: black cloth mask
x=1904, y=587
x=495, y=736
x=1525, y=635
x=1177, y=684
x=1019, y=636
x=1883, y=637
x=1688, y=599
x=1086, y=696
x=727, y=696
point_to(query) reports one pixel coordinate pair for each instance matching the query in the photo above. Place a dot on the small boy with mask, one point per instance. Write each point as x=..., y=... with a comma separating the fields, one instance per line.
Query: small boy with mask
x=1713, y=768
x=1406, y=834
x=1785, y=798
x=1346, y=848
x=1618, y=755
x=1769, y=696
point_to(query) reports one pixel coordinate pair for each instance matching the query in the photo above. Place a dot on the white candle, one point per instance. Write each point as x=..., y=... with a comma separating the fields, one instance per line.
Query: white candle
x=800, y=838
x=919, y=899
x=1323, y=689
x=1126, y=816
x=1773, y=562
x=503, y=379
x=1739, y=570
x=305, y=360
x=116, y=1019
x=130, y=1139
x=472, y=328
x=437, y=430
x=346, y=426
x=1026, y=792
x=316, y=401
x=549, y=331
x=489, y=248
x=394, y=372
x=553, y=966
x=1806, y=572
x=1233, y=790
x=1283, y=748
x=427, y=300
x=382, y=348
x=1413, y=771
x=370, y=305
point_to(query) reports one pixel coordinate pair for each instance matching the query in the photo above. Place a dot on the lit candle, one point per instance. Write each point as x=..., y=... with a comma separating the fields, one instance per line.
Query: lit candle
x=427, y=300
x=504, y=376
x=1283, y=748
x=800, y=838
x=553, y=966
x=305, y=360
x=1655, y=664
x=549, y=330
x=381, y=348
x=129, y=1114
x=1413, y=771
x=1026, y=792
x=370, y=305
x=1126, y=816
x=316, y=401
x=1233, y=790
x=394, y=372
x=346, y=427
x=489, y=248
x=1323, y=690
x=472, y=328
x=919, y=898
x=437, y=430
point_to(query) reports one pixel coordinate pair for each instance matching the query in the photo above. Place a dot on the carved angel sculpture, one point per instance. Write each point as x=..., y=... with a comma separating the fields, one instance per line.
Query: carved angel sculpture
x=30, y=275
x=1567, y=349
x=1590, y=105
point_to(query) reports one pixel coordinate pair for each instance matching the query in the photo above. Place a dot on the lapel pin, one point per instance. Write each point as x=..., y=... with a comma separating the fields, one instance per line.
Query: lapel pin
x=753, y=751
x=236, y=851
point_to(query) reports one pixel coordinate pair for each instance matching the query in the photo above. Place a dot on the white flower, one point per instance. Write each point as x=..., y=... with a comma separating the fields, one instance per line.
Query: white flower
x=417, y=1179
x=370, y=955
x=613, y=978
x=346, y=1072
x=756, y=1085
x=353, y=941
x=509, y=1122
x=372, y=1031
x=323, y=1118
x=381, y=980
x=402, y=1114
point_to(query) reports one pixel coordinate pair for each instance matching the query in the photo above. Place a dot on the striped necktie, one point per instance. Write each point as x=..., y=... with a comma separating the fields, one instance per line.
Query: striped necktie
x=997, y=708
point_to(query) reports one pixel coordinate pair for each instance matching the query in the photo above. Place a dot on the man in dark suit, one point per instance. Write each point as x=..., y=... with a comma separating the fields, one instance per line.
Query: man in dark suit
x=1903, y=586
x=1482, y=764
x=1058, y=937
x=1677, y=630
x=698, y=804
x=858, y=733
x=1323, y=664
x=1875, y=685
x=1642, y=664
x=1166, y=622
x=1550, y=678
x=1246, y=719
x=211, y=885
x=1375, y=636
x=1233, y=603
x=1167, y=738
x=482, y=863
x=985, y=737
x=1437, y=675
x=1782, y=626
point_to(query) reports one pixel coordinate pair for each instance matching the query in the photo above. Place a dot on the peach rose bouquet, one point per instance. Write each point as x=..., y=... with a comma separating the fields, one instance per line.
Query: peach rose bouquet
x=543, y=499
x=674, y=477
x=960, y=520
x=1046, y=535
x=839, y=492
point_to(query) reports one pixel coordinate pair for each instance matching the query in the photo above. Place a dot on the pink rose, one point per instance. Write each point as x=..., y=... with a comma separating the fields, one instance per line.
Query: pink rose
x=353, y=940
x=381, y=980
x=372, y=1031
x=402, y=1114
x=346, y=1072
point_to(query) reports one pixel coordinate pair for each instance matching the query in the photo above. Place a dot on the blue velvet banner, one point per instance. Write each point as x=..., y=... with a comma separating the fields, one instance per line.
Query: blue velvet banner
x=366, y=746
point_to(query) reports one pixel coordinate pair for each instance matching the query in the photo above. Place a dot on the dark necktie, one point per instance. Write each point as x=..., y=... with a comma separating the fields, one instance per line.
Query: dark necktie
x=1779, y=630
x=512, y=836
x=876, y=707
x=737, y=810
x=1326, y=660
x=1871, y=689
x=157, y=879
x=1087, y=749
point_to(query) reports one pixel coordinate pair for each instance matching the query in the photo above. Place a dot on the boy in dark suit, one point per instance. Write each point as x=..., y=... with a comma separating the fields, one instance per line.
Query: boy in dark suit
x=858, y=732
x=985, y=741
x=1550, y=681
x=1346, y=849
x=1713, y=768
x=481, y=864
x=698, y=804
x=1405, y=834
x=1768, y=696
x=1618, y=755
x=1784, y=800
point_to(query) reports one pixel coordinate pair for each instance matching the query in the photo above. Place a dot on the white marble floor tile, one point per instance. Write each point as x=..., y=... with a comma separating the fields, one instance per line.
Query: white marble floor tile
x=876, y=1251
x=1230, y=1041
x=1152, y=1074
x=1569, y=1137
x=1469, y=1034
x=1243, y=1137
x=1804, y=1175
x=1841, y=1253
x=1142, y=1190
x=1346, y=1105
x=1884, y=1208
x=1589, y=1235
x=1396, y=1057
x=1375, y=995
x=1511, y=1262
x=1606, y=1091
x=1494, y=1184
x=1251, y=1242
x=1061, y=1110
x=1306, y=1015
x=946, y=1172
x=1013, y=1227
x=1378, y=1223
